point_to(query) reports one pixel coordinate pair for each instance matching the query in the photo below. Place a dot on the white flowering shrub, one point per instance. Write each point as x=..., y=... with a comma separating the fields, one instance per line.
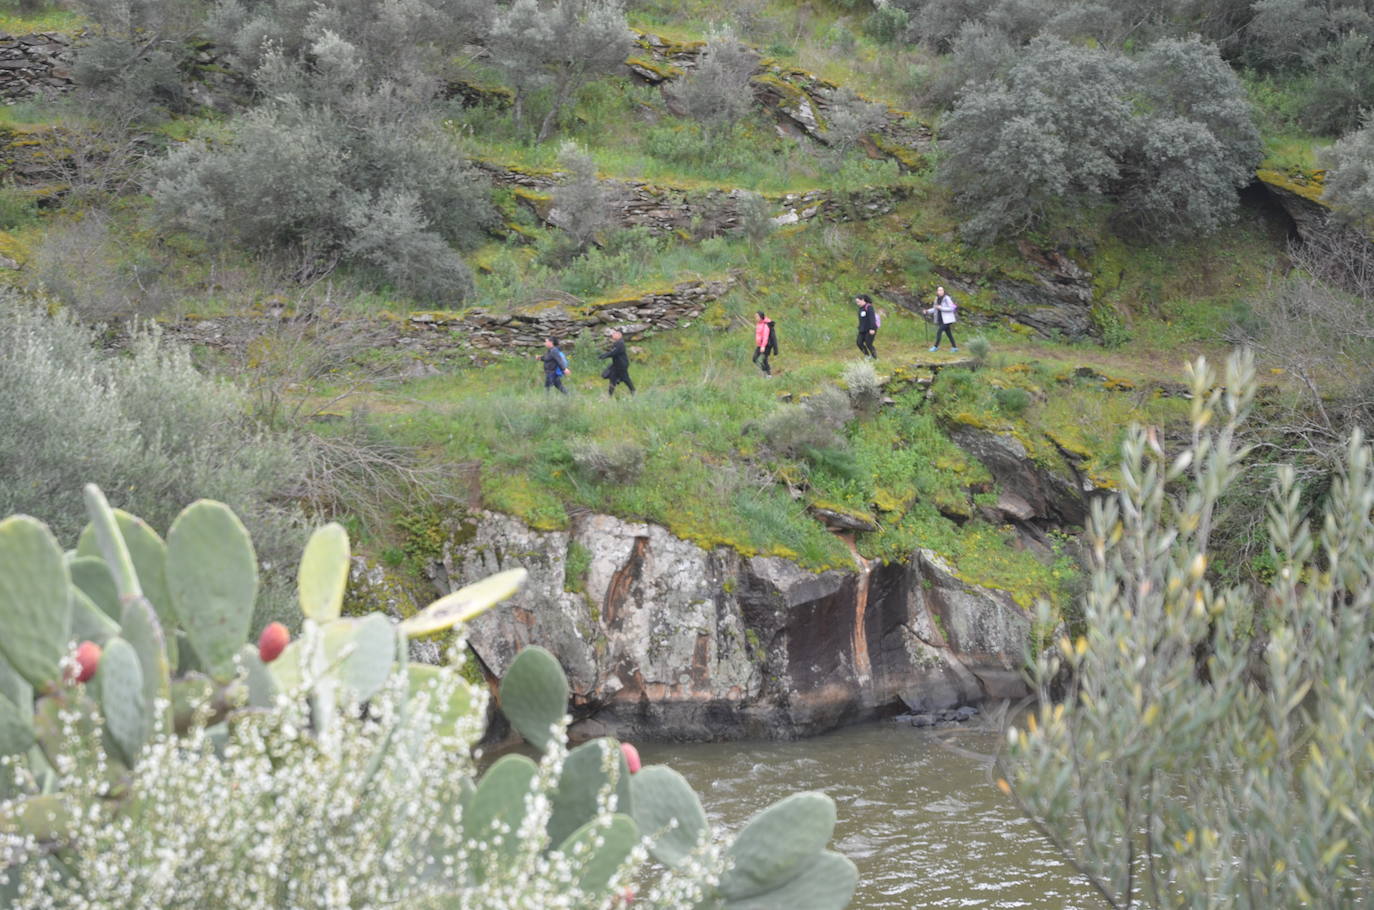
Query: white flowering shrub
x=163, y=763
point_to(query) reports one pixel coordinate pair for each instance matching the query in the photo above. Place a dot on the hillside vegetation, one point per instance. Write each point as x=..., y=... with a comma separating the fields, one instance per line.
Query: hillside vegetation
x=320, y=199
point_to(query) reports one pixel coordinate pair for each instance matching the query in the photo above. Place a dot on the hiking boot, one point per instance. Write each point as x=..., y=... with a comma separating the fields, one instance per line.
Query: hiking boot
x=934, y=349
x=954, y=350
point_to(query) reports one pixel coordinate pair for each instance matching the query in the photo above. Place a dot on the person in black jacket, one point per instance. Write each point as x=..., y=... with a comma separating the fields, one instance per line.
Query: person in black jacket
x=868, y=326
x=555, y=365
x=619, y=370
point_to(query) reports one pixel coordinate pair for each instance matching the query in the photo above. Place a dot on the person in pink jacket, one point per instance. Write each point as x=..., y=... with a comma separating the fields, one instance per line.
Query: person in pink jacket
x=764, y=343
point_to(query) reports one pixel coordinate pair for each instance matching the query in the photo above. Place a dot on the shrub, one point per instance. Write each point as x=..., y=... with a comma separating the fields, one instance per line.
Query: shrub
x=755, y=215
x=850, y=119
x=887, y=23
x=614, y=462
x=816, y=423
x=1258, y=700
x=978, y=348
x=861, y=383
x=333, y=168
x=1168, y=135
x=1350, y=177
x=146, y=426
x=717, y=92
x=1197, y=142
x=1051, y=134
x=1012, y=401
x=583, y=204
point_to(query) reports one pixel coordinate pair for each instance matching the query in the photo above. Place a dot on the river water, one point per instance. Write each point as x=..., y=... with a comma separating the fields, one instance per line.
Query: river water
x=924, y=824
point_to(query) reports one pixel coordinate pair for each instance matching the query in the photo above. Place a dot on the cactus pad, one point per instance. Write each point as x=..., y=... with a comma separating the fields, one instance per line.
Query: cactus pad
x=661, y=795
x=534, y=695
x=127, y=713
x=584, y=777
x=826, y=882
x=465, y=604
x=323, y=573
x=777, y=844
x=597, y=863
x=16, y=730
x=212, y=577
x=35, y=600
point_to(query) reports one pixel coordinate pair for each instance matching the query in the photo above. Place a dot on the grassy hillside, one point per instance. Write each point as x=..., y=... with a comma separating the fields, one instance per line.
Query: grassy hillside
x=704, y=447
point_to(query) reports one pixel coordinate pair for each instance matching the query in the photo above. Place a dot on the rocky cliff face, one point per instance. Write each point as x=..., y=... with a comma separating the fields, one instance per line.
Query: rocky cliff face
x=662, y=639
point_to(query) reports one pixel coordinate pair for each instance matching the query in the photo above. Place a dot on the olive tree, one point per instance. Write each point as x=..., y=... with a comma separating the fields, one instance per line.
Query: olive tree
x=1051, y=133
x=1197, y=142
x=1198, y=745
x=1166, y=135
x=550, y=50
x=399, y=41
x=332, y=166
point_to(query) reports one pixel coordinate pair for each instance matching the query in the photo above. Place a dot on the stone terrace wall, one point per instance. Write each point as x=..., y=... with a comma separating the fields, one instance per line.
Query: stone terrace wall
x=34, y=66
x=665, y=209
x=528, y=326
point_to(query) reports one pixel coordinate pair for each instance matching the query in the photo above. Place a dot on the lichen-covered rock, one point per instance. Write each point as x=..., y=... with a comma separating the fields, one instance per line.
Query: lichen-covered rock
x=662, y=639
x=1053, y=495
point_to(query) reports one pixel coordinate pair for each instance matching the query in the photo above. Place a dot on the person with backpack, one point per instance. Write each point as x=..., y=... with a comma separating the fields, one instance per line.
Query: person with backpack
x=619, y=369
x=765, y=342
x=868, y=326
x=943, y=312
x=555, y=365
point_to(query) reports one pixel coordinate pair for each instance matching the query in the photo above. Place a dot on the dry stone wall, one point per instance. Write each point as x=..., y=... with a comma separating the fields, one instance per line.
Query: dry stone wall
x=34, y=66
x=528, y=326
x=665, y=209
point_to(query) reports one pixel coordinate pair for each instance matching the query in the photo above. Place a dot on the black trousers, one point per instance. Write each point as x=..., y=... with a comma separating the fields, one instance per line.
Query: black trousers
x=620, y=376
x=948, y=329
x=864, y=341
x=762, y=352
x=554, y=381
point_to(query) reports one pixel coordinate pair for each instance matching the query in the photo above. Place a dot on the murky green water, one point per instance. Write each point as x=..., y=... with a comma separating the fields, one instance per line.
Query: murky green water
x=924, y=824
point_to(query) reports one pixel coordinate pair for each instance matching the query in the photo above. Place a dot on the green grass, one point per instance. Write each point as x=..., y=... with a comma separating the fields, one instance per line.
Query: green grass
x=632, y=136
x=51, y=19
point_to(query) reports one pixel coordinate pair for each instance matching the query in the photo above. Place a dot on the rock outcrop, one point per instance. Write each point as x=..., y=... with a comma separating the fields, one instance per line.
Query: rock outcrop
x=662, y=639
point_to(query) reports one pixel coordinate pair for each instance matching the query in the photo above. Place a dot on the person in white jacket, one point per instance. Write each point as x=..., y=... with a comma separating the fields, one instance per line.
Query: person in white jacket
x=943, y=311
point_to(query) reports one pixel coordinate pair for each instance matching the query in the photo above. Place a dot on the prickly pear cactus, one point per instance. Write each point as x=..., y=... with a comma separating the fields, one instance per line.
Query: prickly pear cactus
x=129, y=598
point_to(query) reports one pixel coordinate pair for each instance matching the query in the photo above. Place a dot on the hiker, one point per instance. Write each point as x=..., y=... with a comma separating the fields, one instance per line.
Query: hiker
x=868, y=326
x=619, y=370
x=943, y=313
x=555, y=365
x=765, y=342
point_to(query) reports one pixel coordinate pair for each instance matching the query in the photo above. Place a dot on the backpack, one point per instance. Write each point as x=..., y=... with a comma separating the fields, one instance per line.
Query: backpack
x=772, y=346
x=877, y=318
x=562, y=362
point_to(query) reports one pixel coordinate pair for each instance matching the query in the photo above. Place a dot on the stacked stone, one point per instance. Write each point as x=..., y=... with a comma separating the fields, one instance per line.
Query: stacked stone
x=529, y=326
x=34, y=66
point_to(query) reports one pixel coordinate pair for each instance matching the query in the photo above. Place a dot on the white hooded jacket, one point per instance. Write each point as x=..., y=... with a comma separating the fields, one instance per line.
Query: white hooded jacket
x=946, y=308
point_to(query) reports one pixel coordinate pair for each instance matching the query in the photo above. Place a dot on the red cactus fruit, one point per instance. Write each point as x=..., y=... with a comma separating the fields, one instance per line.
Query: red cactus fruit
x=627, y=894
x=631, y=756
x=87, y=660
x=272, y=642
